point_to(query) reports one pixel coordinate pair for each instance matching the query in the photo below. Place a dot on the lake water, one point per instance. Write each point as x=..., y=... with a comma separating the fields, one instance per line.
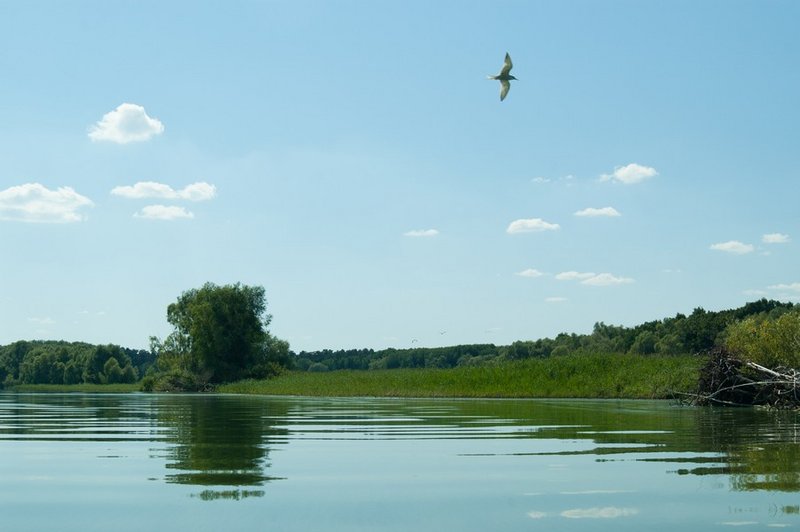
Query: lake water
x=84, y=462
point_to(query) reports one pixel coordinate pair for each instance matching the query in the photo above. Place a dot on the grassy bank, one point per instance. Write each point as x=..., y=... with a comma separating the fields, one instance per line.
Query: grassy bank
x=587, y=376
x=76, y=388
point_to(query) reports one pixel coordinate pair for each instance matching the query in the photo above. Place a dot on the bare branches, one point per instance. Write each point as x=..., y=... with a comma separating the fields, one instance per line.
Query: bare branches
x=727, y=380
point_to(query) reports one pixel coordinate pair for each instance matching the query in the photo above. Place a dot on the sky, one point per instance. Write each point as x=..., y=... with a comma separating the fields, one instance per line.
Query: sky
x=353, y=159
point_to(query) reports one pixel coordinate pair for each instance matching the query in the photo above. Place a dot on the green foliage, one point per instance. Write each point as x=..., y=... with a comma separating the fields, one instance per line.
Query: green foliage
x=698, y=332
x=220, y=334
x=64, y=363
x=174, y=380
x=581, y=375
x=771, y=340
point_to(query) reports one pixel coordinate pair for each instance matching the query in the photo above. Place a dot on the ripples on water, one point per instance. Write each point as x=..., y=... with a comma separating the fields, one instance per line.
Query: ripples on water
x=200, y=462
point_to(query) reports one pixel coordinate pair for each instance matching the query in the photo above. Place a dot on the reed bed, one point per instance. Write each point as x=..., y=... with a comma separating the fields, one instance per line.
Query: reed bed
x=573, y=376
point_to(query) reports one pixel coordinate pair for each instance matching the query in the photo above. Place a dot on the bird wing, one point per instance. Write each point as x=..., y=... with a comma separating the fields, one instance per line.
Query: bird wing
x=504, y=86
x=507, y=66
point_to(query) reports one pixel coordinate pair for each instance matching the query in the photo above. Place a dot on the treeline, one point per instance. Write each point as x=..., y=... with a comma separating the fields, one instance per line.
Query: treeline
x=58, y=362
x=699, y=331
x=209, y=349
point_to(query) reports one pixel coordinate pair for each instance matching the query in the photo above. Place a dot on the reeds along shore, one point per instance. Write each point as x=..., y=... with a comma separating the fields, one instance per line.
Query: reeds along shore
x=572, y=376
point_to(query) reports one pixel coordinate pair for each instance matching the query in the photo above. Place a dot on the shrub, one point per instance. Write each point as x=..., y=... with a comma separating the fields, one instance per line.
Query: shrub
x=771, y=342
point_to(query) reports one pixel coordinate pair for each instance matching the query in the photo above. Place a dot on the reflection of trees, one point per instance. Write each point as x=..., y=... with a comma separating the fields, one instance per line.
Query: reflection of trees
x=756, y=448
x=219, y=441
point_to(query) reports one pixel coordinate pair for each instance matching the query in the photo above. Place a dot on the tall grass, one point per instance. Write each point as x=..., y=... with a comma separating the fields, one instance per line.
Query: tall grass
x=579, y=375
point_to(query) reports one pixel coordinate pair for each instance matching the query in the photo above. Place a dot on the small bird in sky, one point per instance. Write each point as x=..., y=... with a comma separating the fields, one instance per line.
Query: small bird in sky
x=504, y=77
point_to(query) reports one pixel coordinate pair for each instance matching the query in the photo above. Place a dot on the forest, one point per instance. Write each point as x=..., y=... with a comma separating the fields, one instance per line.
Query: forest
x=57, y=362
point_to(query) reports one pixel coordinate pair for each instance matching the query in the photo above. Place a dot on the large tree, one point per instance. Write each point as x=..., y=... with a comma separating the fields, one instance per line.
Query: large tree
x=220, y=334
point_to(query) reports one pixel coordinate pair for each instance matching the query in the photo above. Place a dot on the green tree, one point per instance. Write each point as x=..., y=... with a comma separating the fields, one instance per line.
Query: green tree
x=220, y=334
x=112, y=372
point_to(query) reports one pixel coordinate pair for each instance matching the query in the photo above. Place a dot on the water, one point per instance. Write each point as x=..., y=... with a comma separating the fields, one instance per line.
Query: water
x=83, y=462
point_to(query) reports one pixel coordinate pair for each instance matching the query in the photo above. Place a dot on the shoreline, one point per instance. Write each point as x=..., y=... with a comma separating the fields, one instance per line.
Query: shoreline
x=577, y=376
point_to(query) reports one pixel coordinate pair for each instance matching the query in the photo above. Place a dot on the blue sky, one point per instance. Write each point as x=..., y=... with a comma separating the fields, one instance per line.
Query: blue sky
x=352, y=158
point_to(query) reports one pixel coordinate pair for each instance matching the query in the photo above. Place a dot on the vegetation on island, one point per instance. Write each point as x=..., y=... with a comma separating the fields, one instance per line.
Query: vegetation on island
x=220, y=341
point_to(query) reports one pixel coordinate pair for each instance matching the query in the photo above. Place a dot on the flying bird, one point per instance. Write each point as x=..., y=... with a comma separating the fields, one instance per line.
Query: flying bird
x=504, y=77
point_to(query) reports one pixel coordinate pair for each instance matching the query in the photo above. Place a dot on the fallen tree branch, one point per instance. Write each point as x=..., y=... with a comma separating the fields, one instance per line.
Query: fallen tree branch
x=727, y=380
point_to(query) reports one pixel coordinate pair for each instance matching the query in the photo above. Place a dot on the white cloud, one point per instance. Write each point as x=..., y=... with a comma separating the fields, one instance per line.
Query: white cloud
x=421, y=233
x=794, y=287
x=530, y=272
x=592, y=211
x=775, y=238
x=606, y=279
x=199, y=191
x=630, y=174
x=33, y=202
x=540, y=180
x=531, y=225
x=127, y=123
x=42, y=321
x=593, y=279
x=536, y=515
x=574, y=276
x=753, y=292
x=164, y=212
x=733, y=246
x=609, y=512
x=555, y=299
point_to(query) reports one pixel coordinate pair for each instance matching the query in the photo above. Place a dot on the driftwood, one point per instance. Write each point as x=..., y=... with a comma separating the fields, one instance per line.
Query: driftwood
x=727, y=380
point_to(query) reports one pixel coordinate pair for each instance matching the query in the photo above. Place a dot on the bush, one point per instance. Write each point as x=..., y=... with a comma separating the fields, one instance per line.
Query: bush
x=771, y=342
x=175, y=381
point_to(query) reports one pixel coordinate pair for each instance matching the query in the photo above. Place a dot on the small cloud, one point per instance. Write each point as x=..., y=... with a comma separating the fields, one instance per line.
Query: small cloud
x=555, y=299
x=421, y=233
x=536, y=515
x=672, y=270
x=792, y=287
x=530, y=272
x=630, y=174
x=606, y=279
x=127, y=123
x=609, y=512
x=36, y=203
x=593, y=212
x=530, y=225
x=164, y=212
x=42, y=321
x=733, y=246
x=775, y=238
x=200, y=191
x=755, y=293
x=574, y=276
x=540, y=180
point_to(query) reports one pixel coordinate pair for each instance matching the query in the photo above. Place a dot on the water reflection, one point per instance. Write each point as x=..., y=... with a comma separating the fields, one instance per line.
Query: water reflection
x=219, y=441
x=222, y=444
x=757, y=449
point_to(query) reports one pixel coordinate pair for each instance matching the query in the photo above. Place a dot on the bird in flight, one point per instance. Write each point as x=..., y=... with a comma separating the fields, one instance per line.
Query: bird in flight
x=504, y=77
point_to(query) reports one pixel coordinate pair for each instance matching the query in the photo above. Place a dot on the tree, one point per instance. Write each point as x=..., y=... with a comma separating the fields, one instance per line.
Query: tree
x=220, y=334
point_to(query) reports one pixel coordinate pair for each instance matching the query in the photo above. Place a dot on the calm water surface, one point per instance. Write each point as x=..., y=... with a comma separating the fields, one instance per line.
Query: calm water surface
x=83, y=462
